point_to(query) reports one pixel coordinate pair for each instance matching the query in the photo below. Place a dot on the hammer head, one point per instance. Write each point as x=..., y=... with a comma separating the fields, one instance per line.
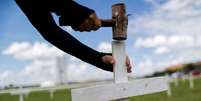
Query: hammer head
x=121, y=21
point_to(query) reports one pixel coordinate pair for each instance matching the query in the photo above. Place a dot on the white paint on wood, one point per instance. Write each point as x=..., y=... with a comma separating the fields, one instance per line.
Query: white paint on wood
x=119, y=54
x=21, y=97
x=169, y=80
x=121, y=89
x=18, y=92
x=176, y=82
x=21, y=92
x=191, y=83
x=120, y=69
x=109, y=92
x=169, y=93
x=51, y=92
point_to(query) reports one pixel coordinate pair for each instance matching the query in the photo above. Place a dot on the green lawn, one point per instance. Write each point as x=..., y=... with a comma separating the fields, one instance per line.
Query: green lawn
x=180, y=93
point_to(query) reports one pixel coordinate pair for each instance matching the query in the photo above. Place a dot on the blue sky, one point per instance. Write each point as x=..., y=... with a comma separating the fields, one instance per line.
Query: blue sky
x=15, y=26
x=160, y=33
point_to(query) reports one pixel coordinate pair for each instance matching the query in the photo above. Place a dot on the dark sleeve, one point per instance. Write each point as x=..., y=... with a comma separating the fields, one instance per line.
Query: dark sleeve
x=70, y=12
x=42, y=20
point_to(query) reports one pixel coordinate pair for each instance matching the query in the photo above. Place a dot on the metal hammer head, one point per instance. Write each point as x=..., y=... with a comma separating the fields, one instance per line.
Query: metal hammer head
x=118, y=22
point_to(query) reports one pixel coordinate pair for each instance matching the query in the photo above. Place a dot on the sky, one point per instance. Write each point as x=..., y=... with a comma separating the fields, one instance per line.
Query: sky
x=161, y=33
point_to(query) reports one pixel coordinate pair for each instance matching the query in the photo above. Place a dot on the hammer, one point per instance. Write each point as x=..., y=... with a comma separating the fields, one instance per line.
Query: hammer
x=118, y=22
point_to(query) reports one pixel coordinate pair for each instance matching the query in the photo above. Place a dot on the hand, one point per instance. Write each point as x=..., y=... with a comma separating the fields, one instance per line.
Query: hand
x=91, y=23
x=108, y=59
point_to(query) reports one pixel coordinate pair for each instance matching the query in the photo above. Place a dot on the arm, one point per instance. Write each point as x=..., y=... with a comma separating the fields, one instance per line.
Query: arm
x=42, y=20
x=70, y=12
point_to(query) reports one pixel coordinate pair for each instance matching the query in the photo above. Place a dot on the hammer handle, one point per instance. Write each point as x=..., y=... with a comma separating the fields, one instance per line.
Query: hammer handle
x=107, y=22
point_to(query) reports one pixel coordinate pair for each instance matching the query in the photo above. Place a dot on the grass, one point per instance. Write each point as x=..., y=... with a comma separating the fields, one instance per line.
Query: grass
x=180, y=93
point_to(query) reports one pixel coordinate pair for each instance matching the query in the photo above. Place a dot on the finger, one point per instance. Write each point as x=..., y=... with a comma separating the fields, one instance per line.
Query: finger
x=112, y=61
x=95, y=28
x=81, y=30
x=128, y=64
x=75, y=28
x=84, y=28
x=97, y=24
x=129, y=70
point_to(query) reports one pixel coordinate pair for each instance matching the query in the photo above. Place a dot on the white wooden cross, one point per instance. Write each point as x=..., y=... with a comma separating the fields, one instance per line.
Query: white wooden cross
x=191, y=79
x=51, y=93
x=169, y=80
x=21, y=92
x=121, y=89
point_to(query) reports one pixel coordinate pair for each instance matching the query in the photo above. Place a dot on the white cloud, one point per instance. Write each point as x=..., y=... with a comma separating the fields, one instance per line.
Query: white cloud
x=161, y=50
x=81, y=71
x=43, y=69
x=67, y=28
x=173, y=17
x=40, y=71
x=26, y=50
x=17, y=47
x=5, y=75
x=151, y=42
x=171, y=41
x=45, y=72
x=143, y=68
x=153, y=2
x=105, y=47
x=170, y=29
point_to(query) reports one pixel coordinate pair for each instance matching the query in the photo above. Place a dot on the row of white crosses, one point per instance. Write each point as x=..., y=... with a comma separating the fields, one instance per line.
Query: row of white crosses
x=189, y=77
x=22, y=93
x=60, y=65
x=122, y=88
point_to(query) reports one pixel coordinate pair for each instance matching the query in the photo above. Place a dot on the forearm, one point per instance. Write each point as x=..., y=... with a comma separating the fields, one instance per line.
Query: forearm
x=70, y=45
x=70, y=12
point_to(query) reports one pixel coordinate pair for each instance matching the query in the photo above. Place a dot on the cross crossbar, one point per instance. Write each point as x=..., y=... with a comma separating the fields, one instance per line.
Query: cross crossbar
x=120, y=90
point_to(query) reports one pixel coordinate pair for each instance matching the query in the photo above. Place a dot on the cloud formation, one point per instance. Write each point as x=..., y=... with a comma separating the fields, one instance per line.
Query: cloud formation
x=28, y=51
x=170, y=33
x=172, y=17
x=44, y=67
x=105, y=47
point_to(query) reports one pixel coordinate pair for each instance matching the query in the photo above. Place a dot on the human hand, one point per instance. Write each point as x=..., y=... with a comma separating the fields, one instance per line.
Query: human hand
x=108, y=59
x=91, y=23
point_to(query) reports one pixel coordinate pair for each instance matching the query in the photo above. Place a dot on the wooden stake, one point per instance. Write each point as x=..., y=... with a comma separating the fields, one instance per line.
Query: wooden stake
x=120, y=69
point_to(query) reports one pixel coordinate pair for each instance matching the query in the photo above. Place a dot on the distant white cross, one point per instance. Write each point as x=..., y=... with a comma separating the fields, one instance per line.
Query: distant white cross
x=191, y=79
x=51, y=92
x=21, y=92
x=169, y=80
